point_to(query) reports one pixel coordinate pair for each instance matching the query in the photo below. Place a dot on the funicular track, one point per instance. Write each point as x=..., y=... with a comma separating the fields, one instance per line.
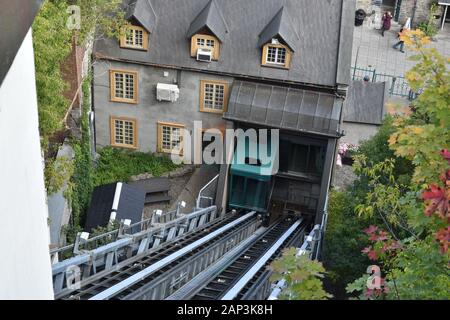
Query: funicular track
x=130, y=280
x=247, y=274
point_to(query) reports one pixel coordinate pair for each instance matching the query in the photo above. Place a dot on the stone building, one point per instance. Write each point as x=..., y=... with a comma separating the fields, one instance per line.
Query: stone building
x=261, y=64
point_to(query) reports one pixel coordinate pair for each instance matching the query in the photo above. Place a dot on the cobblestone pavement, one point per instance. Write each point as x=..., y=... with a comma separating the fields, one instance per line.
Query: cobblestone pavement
x=376, y=52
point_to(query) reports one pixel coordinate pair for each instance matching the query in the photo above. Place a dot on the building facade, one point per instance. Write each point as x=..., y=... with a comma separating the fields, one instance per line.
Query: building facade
x=24, y=240
x=231, y=64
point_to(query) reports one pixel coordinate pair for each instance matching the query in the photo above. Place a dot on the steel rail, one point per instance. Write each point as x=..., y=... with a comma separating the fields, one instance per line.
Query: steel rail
x=234, y=291
x=123, y=285
x=125, y=268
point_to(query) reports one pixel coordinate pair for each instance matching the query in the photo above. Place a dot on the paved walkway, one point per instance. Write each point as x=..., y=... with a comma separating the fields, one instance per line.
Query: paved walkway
x=376, y=52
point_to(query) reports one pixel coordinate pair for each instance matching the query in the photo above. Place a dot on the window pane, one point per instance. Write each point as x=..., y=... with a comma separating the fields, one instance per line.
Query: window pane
x=129, y=86
x=166, y=145
x=281, y=55
x=209, y=96
x=119, y=132
x=139, y=38
x=118, y=78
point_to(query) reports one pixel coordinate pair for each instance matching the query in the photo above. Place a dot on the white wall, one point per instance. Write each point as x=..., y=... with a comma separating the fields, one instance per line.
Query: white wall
x=25, y=271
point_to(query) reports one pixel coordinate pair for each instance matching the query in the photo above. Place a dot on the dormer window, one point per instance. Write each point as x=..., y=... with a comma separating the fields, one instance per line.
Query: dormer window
x=205, y=42
x=134, y=37
x=276, y=55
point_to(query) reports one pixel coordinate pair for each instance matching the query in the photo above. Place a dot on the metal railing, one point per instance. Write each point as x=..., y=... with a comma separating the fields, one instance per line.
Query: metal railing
x=398, y=85
x=207, y=195
x=126, y=243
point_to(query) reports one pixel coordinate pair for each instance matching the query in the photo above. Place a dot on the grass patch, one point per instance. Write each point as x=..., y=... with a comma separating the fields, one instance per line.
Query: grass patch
x=120, y=165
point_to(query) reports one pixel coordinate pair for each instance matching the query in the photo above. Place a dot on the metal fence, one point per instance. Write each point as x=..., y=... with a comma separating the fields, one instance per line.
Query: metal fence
x=398, y=86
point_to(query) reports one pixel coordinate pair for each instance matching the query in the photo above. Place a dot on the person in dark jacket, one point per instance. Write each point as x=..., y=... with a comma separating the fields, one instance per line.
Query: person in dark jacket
x=386, y=22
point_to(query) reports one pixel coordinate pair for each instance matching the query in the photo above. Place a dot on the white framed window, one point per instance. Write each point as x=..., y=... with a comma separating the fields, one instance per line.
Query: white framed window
x=276, y=55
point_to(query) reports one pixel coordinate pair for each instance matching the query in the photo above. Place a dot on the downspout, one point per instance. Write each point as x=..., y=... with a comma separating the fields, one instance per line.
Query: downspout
x=413, y=13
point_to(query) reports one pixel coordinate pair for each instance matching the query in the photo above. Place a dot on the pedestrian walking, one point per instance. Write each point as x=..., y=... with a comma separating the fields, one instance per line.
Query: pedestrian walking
x=386, y=22
x=400, y=43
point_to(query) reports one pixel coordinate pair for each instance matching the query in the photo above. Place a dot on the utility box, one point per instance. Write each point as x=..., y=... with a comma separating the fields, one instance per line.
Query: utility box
x=167, y=92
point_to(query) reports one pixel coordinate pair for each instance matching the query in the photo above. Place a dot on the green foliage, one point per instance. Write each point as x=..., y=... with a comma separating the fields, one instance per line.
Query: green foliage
x=82, y=178
x=376, y=150
x=302, y=275
x=57, y=173
x=120, y=165
x=104, y=17
x=415, y=265
x=344, y=240
x=52, y=44
x=52, y=41
x=420, y=272
x=429, y=27
x=425, y=133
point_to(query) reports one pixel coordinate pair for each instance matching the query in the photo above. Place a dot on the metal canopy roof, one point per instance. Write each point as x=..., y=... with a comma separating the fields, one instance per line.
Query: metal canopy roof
x=280, y=26
x=285, y=108
x=143, y=12
x=211, y=18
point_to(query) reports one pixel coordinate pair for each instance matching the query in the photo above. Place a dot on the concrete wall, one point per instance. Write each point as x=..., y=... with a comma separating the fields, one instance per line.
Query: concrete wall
x=357, y=132
x=149, y=111
x=24, y=238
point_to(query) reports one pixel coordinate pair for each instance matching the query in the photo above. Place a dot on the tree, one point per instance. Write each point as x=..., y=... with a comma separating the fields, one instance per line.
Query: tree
x=413, y=252
x=302, y=275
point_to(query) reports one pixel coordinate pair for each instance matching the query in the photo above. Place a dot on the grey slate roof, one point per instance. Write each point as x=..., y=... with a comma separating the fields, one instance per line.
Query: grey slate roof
x=131, y=205
x=285, y=108
x=365, y=102
x=211, y=18
x=142, y=11
x=316, y=59
x=280, y=26
x=16, y=17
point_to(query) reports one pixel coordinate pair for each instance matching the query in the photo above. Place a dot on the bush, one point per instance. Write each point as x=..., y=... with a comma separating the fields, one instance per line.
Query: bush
x=120, y=165
x=377, y=150
x=344, y=240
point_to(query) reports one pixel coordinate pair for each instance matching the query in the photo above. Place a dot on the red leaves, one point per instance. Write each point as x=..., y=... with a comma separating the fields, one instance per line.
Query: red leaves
x=437, y=201
x=383, y=245
x=443, y=237
x=446, y=154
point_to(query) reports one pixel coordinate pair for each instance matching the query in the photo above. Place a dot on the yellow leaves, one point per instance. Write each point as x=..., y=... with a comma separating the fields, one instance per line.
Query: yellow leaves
x=413, y=76
x=415, y=39
x=417, y=130
x=392, y=140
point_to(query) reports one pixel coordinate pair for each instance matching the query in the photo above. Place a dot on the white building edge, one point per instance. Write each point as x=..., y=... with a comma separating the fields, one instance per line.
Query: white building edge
x=25, y=267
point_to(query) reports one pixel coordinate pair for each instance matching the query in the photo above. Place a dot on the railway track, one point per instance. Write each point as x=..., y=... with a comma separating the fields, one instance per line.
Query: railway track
x=130, y=278
x=248, y=271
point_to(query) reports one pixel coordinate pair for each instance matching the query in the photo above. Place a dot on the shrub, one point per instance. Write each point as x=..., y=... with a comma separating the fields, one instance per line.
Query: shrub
x=344, y=240
x=120, y=165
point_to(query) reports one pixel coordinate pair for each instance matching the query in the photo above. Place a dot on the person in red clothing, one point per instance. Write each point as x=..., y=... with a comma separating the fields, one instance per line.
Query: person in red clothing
x=386, y=22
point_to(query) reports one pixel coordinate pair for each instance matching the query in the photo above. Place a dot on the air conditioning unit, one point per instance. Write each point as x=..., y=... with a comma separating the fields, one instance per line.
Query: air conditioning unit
x=204, y=55
x=167, y=92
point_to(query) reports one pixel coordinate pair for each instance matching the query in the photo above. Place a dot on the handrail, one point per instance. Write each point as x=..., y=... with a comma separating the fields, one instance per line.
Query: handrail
x=200, y=196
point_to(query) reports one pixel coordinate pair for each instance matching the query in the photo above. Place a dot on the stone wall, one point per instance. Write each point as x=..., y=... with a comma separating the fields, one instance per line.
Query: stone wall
x=422, y=11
